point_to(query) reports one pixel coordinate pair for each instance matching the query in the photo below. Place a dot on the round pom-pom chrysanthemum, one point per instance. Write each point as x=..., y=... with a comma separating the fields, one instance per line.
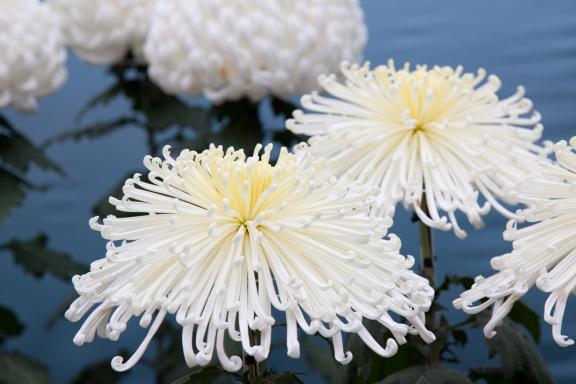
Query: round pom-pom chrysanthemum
x=32, y=53
x=438, y=130
x=103, y=32
x=249, y=48
x=544, y=252
x=223, y=238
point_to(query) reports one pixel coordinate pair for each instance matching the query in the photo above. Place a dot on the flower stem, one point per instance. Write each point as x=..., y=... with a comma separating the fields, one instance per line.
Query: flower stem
x=250, y=364
x=428, y=266
x=427, y=247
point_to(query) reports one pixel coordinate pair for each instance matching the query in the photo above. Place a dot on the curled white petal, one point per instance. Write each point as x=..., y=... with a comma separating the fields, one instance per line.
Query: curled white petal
x=220, y=239
x=544, y=250
x=32, y=53
x=403, y=130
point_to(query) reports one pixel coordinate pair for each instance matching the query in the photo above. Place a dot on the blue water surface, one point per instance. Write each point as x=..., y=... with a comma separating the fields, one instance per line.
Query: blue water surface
x=524, y=42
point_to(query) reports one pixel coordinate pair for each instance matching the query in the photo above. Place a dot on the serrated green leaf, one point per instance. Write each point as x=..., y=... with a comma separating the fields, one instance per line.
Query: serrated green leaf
x=94, y=130
x=18, y=153
x=525, y=316
x=102, y=99
x=436, y=374
x=460, y=337
x=12, y=187
x=103, y=208
x=16, y=368
x=282, y=108
x=463, y=281
x=278, y=378
x=36, y=258
x=9, y=324
x=168, y=111
x=209, y=374
x=99, y=373
x=520, y=359
x=321, y=360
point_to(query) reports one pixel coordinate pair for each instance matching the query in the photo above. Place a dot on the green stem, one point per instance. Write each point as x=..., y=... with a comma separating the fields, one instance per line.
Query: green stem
x=427, y=247
x=250, y=364
x=428, y=266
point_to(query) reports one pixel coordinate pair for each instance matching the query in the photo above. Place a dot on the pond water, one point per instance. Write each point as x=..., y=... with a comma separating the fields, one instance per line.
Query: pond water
x=524, y=42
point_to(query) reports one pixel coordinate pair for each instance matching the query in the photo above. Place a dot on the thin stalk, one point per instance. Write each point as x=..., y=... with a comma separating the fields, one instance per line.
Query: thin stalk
x=428, y=263
x=428, y=266
x=250, y=364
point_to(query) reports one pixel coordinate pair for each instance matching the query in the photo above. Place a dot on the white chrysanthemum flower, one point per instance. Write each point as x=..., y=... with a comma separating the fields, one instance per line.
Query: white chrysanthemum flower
x=544, y=252
x=223, y=239
x=401, y=130
x=32, y=53
x=103, y=32
x=248, y=48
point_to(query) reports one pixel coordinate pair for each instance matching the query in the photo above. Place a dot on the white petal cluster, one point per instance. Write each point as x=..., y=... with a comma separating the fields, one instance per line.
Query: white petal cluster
x=544, y=252
x=438, y=130
x=103, y=32
x=221, y=239
x=32, y=53
x=226, y=50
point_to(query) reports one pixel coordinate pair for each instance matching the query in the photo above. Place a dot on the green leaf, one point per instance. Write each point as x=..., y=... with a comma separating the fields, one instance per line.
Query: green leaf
x=463, y=281
x=103, y=208
x=287, y=139
x=436, y=374
x=460, y=337
x=272, y=377
x=167, y=111
x=167, y=362
x=9, y=324
x=4, y=123
x=239, y=123
x=12, y=187
x=17, y=152
x=37, y=259
x=99, y=373
x=282, y=108
x=209, y=374
x=94, y=130
x=102, y=99
x=370, y=367
x=525, y=316
x=519, y=357
x=16, y=368
x=321, y=360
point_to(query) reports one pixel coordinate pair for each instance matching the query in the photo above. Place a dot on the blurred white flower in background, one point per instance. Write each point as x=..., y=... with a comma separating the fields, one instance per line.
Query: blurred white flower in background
x=226, y=50
x=104, y=31
x=544, y=252
x=32, y=53
x=401, y=130
x=222, y=238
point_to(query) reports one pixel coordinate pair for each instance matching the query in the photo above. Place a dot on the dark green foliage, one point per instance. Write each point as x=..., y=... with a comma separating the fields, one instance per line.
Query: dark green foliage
x=435, y=374
x=17, y=155
x=99, y=373
x=36, y=258
x=16, y=368
x=523, y=315
x=10, y=325
x=217, y=375
x=520, y=360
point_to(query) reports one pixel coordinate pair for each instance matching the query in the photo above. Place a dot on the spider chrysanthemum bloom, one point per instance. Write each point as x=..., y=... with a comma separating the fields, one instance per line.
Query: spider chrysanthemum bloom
x=544, y=251
x=103, y=32
x=226, y=50
x=402, y=129
x=32, y=53
x=222, y=239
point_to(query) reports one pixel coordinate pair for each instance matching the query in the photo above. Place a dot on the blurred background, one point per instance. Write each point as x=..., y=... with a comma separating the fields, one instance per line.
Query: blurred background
x=89, y=152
